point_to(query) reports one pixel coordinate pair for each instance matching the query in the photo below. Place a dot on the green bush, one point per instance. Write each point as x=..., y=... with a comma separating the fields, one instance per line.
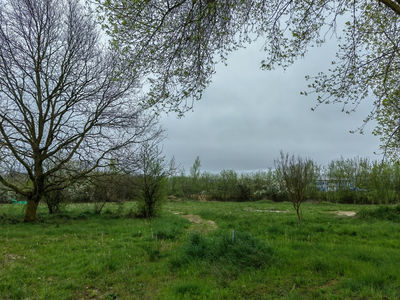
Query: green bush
x=152, y=194
x=244, y=192
x=56, y=200
x=4, y=197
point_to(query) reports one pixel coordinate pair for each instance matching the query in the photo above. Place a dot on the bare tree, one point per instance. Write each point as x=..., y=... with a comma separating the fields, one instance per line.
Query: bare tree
x=297, y=174
x=64, y=97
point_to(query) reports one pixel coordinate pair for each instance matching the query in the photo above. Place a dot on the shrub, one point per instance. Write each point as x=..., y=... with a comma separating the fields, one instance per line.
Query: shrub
x=244, y=192
x=150, y=197
x=4, y=198
x=151, y=181
x=56, y=200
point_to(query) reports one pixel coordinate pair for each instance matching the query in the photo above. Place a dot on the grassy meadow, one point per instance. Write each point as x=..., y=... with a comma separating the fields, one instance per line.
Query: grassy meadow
x=202, y=250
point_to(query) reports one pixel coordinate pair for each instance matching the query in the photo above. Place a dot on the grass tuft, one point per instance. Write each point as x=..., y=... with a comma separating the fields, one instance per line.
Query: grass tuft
x=244, y=252
x=389, y=213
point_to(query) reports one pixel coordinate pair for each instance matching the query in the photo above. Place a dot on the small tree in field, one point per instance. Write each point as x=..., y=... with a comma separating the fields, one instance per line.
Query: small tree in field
x=195, y=173
x=296, y=174
x=151, y=179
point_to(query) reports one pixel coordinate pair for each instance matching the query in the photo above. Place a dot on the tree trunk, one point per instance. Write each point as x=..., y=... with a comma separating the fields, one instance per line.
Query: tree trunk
x=50, y=207
x=298, y=214
x=30, y=211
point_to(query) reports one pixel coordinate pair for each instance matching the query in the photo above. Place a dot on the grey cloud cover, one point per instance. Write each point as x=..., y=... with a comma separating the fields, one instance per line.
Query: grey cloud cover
x=247, y=116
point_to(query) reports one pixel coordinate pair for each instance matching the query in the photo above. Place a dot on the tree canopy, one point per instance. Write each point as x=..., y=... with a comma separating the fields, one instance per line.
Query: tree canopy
x=182, y=40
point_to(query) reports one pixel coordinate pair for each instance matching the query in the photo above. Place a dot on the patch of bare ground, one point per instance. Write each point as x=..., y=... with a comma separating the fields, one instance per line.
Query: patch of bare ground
x=9, y=258
x=177, y=212
x=346, y=213
x=198, y=223
x=266, y=210
x=198, y=220
x=91, y=292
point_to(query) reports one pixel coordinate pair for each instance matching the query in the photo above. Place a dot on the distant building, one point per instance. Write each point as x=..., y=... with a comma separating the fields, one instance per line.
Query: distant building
x=326, y=184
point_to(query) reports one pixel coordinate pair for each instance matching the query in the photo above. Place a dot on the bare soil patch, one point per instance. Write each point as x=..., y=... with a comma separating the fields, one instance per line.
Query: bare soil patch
x=199, y=224
x=9, y=258
x=177, y=212
x=198, y=220
x=266, y=210
x=346, y=213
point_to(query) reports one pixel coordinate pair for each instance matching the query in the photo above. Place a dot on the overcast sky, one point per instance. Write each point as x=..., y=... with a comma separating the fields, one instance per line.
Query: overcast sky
x=247, y=116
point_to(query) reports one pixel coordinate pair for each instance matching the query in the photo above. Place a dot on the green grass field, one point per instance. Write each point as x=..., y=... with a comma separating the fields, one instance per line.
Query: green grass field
x=183, y=255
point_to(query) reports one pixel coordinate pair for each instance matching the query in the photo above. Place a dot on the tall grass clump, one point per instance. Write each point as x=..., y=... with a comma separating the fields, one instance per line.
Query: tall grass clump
x=389, y=213
x=241, y=251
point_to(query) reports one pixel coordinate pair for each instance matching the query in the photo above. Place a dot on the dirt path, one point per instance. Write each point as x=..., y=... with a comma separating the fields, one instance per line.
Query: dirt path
x=198, y=223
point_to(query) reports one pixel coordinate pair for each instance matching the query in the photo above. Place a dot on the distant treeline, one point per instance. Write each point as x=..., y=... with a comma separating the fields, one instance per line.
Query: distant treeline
x=100, y=187
x=355, y=180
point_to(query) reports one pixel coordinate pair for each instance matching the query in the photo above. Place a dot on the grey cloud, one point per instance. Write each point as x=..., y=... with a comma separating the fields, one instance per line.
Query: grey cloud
x=248, y=115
